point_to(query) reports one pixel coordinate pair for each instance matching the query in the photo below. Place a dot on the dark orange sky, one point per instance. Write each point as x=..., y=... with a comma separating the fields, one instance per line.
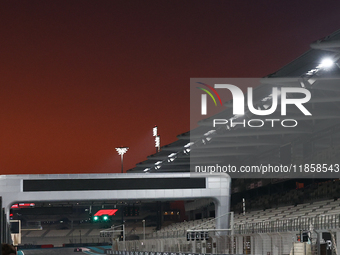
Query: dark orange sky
x=79, y=78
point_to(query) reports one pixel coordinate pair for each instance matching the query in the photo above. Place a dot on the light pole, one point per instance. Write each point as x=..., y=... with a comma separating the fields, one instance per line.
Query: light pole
x=121, y=151
x=124, y=237
x=144, y=231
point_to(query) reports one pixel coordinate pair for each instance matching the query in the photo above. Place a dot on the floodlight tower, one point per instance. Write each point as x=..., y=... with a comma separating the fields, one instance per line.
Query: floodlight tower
x=121, y=151
x=157, y=139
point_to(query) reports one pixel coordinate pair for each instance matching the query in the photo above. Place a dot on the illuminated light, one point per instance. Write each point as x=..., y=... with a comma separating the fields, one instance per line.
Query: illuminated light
x=157, y=141
x=108, y=212
x=122, y=150
x=269, y=97
x=188, y=144
x=158, y=162
x=105, y=217
x=210, y=132
x=172, y=157
x=23, y=205
x=326, y=63
x=95, y=218
x=146, y=169
x=154, y=131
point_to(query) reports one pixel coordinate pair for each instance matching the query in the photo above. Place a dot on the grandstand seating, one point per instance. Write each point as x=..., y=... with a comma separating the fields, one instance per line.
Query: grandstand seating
x=311, y=209
x=56, y=233
x=33, y=234
x=322, y=191
x=73, y=235
x=93, y=232
x=302, y=210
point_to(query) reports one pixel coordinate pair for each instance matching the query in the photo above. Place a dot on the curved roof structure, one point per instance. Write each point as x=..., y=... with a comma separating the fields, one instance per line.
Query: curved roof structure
x=318, y=71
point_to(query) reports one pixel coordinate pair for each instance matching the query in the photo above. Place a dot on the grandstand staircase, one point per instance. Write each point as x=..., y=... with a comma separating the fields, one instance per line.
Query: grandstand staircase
x=315, y=249
x=71, y=232
x=333, y=243
x=314, y=242
x=46, y=232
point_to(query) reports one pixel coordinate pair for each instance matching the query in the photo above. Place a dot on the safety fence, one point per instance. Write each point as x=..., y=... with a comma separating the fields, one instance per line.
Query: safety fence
x=257, y=244
x=149, y=253
x=214, y=244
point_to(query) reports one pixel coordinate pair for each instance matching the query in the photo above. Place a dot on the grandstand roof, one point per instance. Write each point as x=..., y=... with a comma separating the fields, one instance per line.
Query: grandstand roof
x=234, y=145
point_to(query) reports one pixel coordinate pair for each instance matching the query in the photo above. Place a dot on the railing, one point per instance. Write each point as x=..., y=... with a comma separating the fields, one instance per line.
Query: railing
x=323, y=222
x=167, y=234
x=319, y=222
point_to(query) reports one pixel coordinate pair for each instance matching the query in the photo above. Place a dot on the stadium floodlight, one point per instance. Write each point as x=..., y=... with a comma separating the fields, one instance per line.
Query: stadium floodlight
x=187, y=150
x=326, y=63
x=157, y=139
x=188, y=144
x=158, y=143
x=121, y=151
x=154, y=131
